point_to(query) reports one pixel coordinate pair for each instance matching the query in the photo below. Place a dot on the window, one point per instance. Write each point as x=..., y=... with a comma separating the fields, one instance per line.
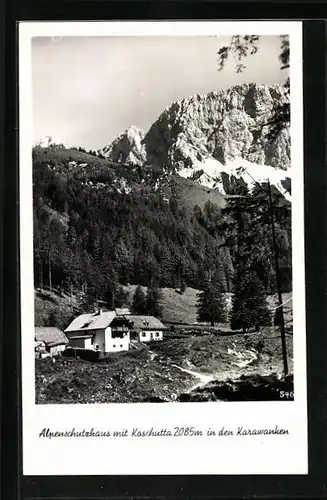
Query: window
x=143, y=334
x=114, y=346
x=117, y=335
x=121, y=345
x=97, y=347
x=157, y=334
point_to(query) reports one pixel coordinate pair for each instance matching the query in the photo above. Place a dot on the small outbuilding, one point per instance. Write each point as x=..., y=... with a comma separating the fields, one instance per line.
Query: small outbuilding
x=50, y=340
x=40, y=349
x=146, y=328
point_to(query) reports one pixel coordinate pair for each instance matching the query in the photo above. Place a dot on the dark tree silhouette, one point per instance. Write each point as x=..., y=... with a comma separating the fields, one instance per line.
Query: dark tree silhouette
x=120, y=297
x=153, y=302
x=139, y=305
x=249, y=302
x=183, y=285
x=211, y=306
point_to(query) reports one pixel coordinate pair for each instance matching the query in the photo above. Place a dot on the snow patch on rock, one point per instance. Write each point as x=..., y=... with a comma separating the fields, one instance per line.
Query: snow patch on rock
x=211, y=173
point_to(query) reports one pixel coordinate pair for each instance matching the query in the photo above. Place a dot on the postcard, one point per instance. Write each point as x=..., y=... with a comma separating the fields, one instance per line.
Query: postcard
x=162, y=248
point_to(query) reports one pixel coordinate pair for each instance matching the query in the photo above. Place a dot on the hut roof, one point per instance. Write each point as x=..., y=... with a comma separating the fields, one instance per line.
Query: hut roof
x=146, y=322
x=93, y=321
x=50, y=335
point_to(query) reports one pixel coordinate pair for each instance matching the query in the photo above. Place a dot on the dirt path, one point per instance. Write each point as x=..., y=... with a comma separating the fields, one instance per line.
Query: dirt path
x=241, y=367
x=203, y=378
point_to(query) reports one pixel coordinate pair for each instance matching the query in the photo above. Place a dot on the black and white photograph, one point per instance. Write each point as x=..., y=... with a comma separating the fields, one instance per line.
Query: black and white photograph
x=162, y=219
x=162, y=241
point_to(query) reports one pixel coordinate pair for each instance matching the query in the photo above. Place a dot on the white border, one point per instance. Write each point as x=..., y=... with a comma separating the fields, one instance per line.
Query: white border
x=236, y=455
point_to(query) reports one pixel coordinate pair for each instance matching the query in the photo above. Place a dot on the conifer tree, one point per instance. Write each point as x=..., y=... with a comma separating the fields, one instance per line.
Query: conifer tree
x=153, y=302
x=139, y=305
x=120, y=296
x=114, y=294
x=249, y=302
x=211, y=305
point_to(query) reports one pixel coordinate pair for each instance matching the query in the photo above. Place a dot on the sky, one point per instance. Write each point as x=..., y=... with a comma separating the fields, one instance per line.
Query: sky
x=89, y=90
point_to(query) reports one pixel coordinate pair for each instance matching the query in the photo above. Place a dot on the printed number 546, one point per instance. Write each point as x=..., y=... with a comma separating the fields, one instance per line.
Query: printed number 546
x=286, y=394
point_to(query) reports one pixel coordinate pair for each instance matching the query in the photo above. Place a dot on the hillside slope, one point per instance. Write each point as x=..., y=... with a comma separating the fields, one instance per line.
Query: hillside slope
x=55, y=309
x=177, y=307
x=58, y=309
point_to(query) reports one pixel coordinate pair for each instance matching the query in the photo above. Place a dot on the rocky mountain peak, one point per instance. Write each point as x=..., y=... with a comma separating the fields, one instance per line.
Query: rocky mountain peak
x=127, y=148
x=208, y=137
x=48, y=142
x=225, y=125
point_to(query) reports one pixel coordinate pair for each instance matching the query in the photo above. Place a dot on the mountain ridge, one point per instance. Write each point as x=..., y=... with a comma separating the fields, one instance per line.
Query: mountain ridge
x=215, y=133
